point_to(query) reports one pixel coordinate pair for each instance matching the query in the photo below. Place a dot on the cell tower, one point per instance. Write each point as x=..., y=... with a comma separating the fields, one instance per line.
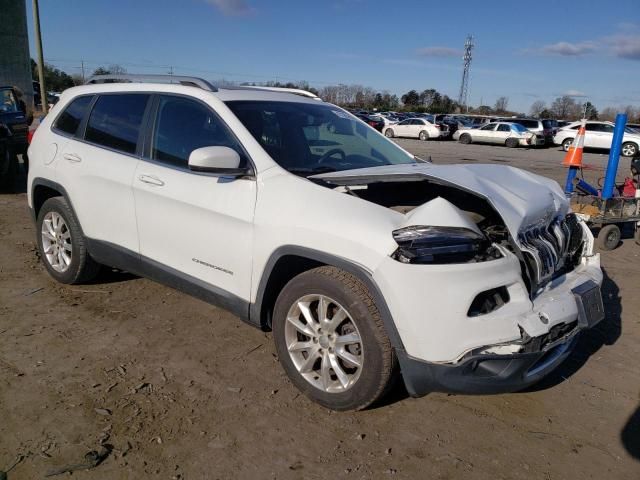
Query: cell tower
x=464, y=86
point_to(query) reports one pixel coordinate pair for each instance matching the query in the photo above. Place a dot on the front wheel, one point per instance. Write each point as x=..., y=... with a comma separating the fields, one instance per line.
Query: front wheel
x=629, y=149
x=331, y=341
x=566, y=144
x=62, y=246
x=388, y=133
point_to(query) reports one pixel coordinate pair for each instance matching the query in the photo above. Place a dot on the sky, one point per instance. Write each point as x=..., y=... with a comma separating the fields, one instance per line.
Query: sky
x=526, y=51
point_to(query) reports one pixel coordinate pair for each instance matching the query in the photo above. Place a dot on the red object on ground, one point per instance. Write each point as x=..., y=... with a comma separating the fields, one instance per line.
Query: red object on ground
x=629, y=188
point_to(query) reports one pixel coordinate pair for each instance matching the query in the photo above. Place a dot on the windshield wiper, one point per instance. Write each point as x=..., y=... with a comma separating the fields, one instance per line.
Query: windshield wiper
x=311, y=171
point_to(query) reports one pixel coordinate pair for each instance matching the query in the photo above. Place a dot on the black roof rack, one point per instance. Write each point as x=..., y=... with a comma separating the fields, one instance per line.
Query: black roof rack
x=144, y=78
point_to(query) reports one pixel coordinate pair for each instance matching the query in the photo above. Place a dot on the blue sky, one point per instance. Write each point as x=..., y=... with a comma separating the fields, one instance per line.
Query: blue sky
x=526, y=51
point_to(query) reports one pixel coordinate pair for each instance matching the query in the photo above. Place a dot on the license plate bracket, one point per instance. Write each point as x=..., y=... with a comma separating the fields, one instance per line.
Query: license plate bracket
x=589, y=302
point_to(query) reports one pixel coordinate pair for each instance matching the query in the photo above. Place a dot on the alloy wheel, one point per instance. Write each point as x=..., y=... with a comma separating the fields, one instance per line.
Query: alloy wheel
x=324, y=343
x=628, y=150
x=56, y=242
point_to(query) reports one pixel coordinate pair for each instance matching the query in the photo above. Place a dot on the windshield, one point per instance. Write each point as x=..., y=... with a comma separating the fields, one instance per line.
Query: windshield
x=308, y=138
x=518, y=128
x=8, y=102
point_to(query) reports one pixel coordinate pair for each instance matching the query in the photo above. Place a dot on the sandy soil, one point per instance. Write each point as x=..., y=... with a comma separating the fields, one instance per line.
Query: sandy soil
x=181, y=389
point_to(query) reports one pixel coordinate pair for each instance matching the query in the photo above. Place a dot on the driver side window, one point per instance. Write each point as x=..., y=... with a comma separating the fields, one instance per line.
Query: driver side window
x=183, y=125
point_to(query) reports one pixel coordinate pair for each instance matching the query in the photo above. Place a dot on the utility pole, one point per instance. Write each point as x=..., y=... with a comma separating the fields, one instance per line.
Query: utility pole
x=43, y=91
x=82, y=66
x=463, y=97
x=170, y=69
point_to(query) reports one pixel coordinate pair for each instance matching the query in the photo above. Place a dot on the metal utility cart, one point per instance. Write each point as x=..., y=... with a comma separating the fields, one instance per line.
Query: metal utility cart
x=609, y=216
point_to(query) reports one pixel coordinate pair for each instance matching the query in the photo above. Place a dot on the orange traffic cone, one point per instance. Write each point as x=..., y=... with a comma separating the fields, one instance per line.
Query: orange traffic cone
x=573, y=158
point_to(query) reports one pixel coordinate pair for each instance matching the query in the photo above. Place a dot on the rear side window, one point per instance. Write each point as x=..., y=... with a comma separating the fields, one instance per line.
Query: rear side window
x=503, y=127
x=182, y=126
x=69, y=120
x=115, y=121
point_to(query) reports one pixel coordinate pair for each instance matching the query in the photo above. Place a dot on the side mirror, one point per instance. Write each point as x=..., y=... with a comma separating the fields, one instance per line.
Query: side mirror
x=216, y=160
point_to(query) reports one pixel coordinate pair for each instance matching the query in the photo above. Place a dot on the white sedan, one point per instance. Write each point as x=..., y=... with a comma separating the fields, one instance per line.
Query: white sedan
x=501, y=133
x=414, y=128
x=598, y=135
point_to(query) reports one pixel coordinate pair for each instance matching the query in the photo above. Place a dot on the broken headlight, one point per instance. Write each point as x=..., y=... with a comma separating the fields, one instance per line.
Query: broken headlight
x=434, y=245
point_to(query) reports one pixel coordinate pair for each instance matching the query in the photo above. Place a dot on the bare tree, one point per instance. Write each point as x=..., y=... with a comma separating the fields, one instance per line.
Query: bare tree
x=502, y=103
x=537, y=108
x=566, y=108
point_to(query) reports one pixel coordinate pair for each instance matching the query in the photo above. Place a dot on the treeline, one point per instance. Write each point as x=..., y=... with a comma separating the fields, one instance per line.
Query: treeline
x=564, y=107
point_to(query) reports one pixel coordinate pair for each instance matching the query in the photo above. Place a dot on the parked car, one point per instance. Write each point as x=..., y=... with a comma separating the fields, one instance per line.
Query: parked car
x=416, y=128
x=598, y=135
x=634, y=126
x=500, y=133
x=14, y=118
x=542, y=128
x=376, y=122
x=362, y=259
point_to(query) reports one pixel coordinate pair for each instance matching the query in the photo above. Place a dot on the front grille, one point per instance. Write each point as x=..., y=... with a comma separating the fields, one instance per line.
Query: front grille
x=550, y=249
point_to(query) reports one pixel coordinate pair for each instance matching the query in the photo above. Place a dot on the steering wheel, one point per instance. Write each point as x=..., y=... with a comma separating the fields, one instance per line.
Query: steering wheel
x=331, y=153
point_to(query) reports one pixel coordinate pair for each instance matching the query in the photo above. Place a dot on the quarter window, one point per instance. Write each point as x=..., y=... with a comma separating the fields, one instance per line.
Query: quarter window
x=115, y=121
x=69, y=120
x=182, y=126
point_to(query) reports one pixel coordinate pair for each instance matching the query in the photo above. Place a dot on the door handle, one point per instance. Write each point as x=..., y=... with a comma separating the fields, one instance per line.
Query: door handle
x=151, y=180
x=72, y=157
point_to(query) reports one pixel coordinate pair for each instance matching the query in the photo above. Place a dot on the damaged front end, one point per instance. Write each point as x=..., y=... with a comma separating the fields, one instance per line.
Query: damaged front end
x=482, y=284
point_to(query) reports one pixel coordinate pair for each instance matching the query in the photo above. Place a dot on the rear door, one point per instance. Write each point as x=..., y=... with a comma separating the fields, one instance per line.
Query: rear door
x=199, y=225
x=502, y=133
x=97, y=165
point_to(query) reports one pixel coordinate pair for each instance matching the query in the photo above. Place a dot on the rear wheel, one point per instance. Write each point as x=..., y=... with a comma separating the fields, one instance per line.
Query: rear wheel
x=388, y=133
x=512, y=142
x=566, y=144
x=608, y=237
x=62, y=245
x=629, y=149
x=331, y=341
x=465, y=138
x=424, y=135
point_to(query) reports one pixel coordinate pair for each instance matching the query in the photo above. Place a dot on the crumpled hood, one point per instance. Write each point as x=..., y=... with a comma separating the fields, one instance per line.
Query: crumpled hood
x=523, y=199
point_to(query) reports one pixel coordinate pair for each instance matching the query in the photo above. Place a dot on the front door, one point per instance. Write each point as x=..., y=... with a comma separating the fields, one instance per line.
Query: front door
x=196, y=224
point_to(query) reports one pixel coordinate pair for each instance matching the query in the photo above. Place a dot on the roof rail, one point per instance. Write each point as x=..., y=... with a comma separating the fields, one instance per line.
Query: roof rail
x=295, y=91
x=146, y=78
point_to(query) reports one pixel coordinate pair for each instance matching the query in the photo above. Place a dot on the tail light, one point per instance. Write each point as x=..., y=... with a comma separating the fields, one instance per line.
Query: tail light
x=438, y=127
x=30, y=135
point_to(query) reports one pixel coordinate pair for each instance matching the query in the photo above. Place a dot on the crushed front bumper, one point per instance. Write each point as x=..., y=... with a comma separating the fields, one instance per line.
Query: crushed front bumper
x=483, y=374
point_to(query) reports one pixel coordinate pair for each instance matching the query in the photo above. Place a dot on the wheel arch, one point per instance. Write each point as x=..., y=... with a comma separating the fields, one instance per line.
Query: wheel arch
x=288, y=261
x=42, y=190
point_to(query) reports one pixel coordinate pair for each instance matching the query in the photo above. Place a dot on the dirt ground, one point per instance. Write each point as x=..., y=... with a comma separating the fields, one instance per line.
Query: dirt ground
x=181, y=389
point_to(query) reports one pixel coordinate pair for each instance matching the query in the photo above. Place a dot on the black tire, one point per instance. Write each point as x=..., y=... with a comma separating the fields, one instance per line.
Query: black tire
x=8, y=170
x=636, y=236
x=379, y=363
x=608, y=237
x=566, y=144
x=631, y=149
x=389, y=133
x=465, y=138
x=512, y=142
x=82, y=267
x=423, y=135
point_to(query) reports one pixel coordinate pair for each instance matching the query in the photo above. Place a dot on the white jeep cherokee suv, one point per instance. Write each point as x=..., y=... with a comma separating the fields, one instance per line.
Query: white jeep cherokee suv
x=299, y=218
